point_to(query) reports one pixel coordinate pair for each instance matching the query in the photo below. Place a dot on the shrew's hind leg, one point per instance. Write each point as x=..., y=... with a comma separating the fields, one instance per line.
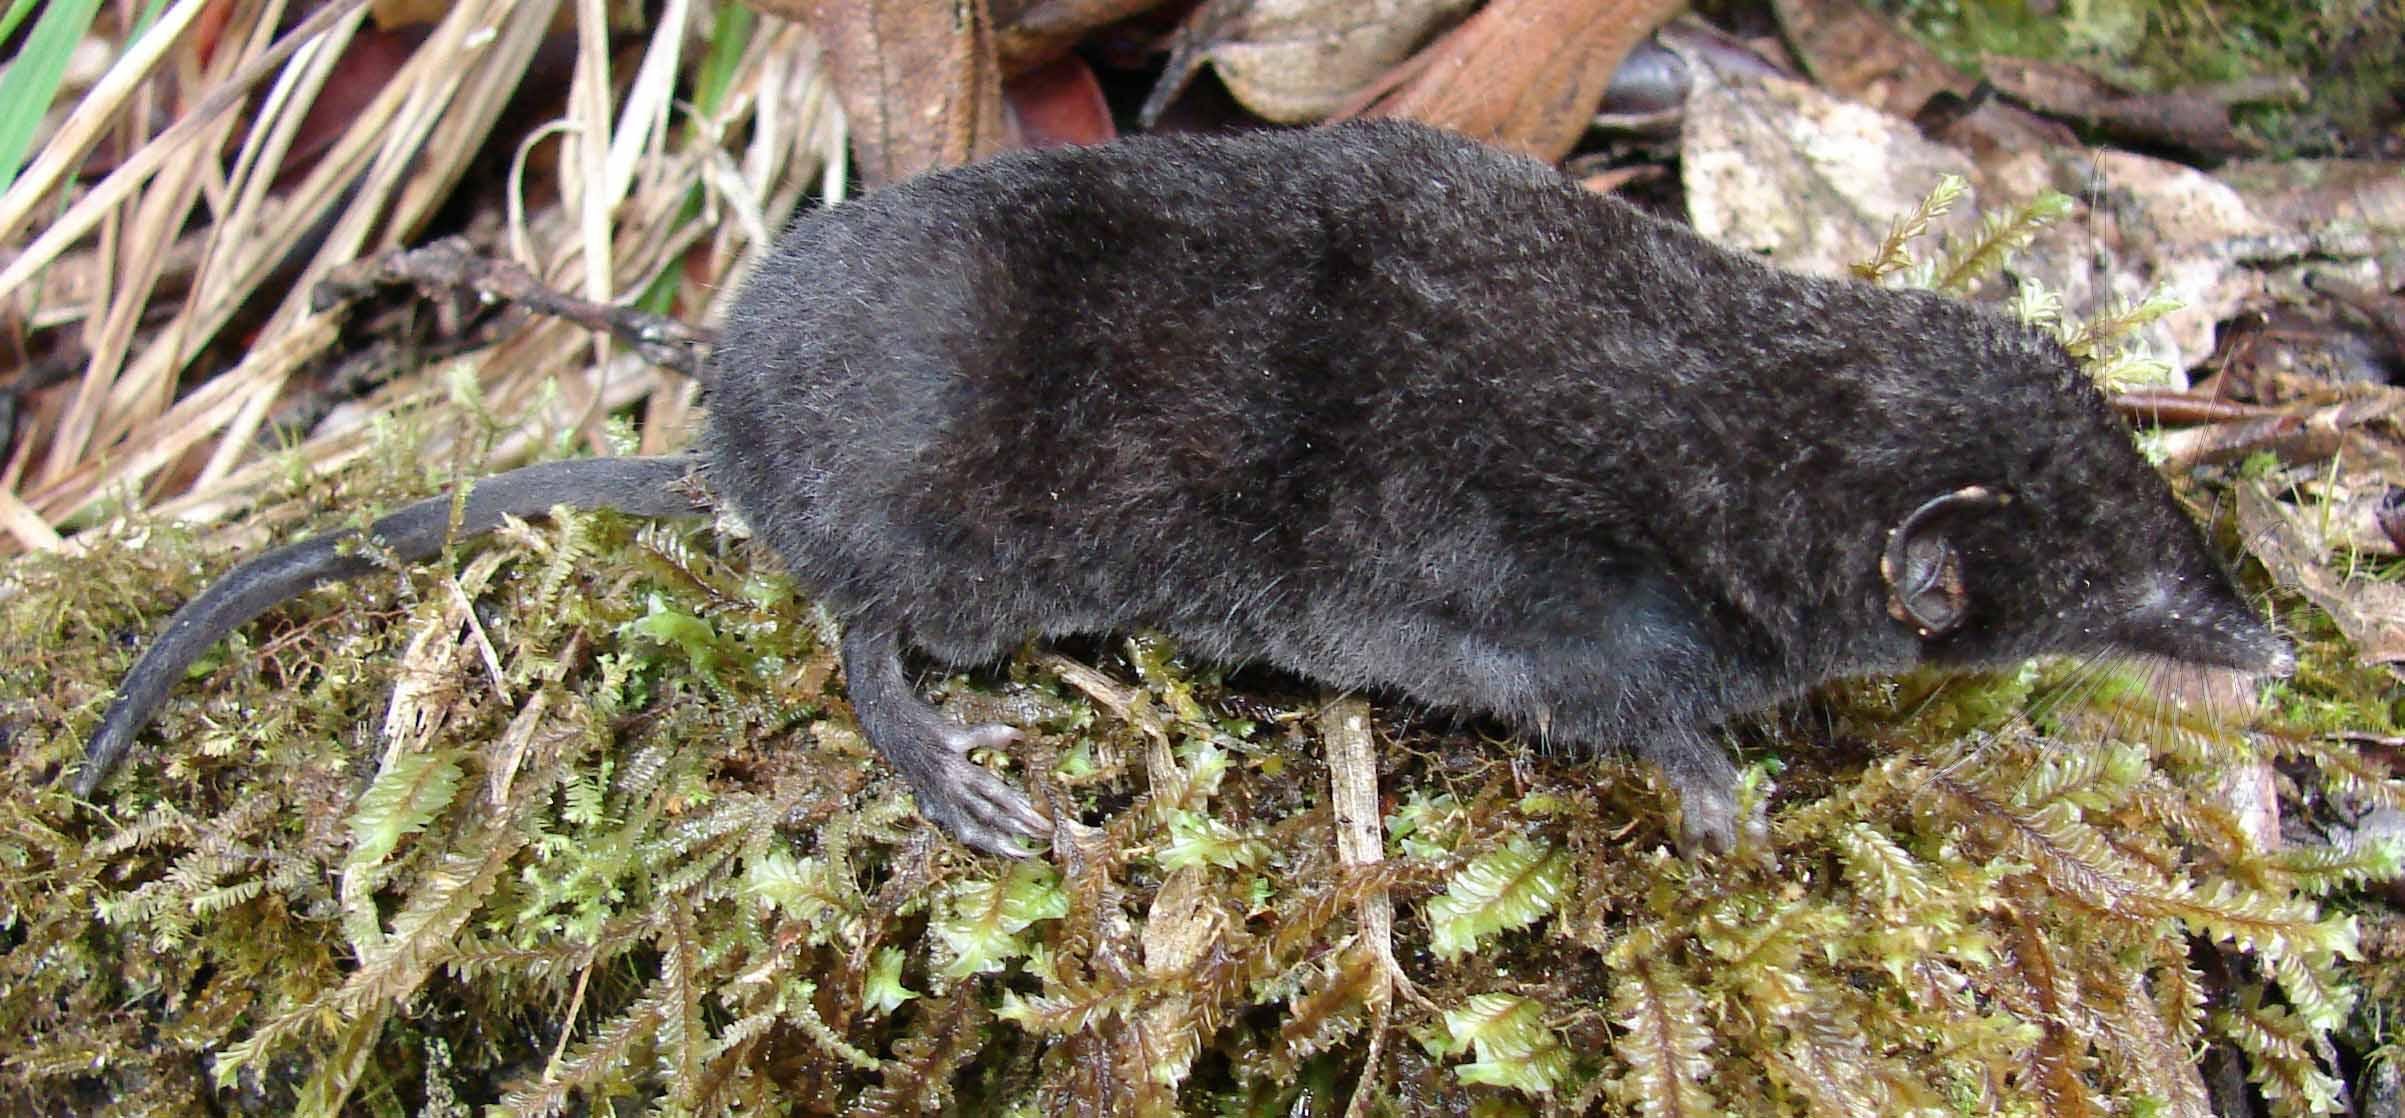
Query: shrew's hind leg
x=954, y=793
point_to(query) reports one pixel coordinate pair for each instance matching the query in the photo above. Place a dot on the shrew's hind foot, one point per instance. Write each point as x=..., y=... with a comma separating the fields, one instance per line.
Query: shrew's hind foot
x=955, y=793
x=967, y=800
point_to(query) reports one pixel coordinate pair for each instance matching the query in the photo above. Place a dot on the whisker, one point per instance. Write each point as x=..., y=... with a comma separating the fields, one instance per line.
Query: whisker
x=2075, y=685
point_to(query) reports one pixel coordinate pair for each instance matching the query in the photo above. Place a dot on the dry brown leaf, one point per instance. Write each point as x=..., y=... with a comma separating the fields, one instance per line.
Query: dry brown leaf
x=2291, y=544
x=1524, y=74
x=2304, y=437
x=1057, y=103
x=918, y=82
x=1612, y=179
x=1859, y=53
x=1294, y=61
x=1182, y=923
x=1027, y=35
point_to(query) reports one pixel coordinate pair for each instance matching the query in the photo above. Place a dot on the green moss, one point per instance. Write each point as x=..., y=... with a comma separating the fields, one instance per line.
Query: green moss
x=713, y=899
x=2349, y=50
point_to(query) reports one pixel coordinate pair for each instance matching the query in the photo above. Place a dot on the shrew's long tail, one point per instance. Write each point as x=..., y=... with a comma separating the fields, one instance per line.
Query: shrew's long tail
x=636, y=486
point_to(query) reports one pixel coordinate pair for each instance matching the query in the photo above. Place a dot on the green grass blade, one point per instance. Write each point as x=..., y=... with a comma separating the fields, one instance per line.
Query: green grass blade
x=12, y=17
x=32, y=78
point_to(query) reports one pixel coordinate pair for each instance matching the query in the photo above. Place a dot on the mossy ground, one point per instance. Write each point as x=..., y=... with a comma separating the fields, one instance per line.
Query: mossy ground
x=620, y=840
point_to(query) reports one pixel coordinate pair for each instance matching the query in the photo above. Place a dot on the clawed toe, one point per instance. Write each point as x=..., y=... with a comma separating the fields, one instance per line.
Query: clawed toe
x=955, y=793
x=1707, y=825
x=979, y=808
x=1704, y=780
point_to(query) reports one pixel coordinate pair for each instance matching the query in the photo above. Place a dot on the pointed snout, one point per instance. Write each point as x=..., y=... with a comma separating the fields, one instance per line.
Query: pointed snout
x=2209, y=626
x=2265, y=656
x=2280, y=661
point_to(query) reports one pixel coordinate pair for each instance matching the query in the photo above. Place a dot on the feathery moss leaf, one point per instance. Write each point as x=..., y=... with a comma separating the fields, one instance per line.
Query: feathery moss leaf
x=1895, y=254
x=1998, y=238
x=1508, y=1036
x=1665, y=1039
x=1509, y=887
x=978, y=920
x=403, y=799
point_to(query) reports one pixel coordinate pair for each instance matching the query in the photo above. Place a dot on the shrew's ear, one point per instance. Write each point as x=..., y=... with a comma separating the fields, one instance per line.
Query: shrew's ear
x=1921, y=566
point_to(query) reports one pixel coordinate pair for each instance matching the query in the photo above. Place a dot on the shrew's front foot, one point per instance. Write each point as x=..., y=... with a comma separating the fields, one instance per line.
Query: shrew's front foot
x=1706, y=783
x=1707, y=821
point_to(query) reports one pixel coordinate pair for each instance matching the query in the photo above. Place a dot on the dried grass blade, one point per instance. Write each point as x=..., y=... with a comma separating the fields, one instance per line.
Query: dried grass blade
x=595, y=195
x=32, y=532
x=245, y=231
x=642, y=134
x=165, y=205
x=94, y=116
x=485, y=91
x=385, y=146
x=392, y=133
x=21, y=201
x=187, y=423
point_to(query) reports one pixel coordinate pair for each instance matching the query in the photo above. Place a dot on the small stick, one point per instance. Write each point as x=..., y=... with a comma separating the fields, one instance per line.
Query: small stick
x=2163, y=407
x=448, y=265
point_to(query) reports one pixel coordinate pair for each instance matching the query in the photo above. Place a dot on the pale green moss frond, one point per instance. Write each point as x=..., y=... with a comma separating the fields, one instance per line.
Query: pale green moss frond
x=2036, y=304
x=979, y=920
x=1069, y=1004
x=2320, y=869
x=1826, y=1061
x=1331, y=1009
x=2094, y=337
x=1894, y=253
x=406, y=795
x=1509, y=887
x=1665, y=1040
x=1882, y=869
x=2343, y=770
x=2261, y=922
x=1511, y=1043
x=1998, y=238
x=2279, y=1047
x=2072, y=858
x=592, y=1064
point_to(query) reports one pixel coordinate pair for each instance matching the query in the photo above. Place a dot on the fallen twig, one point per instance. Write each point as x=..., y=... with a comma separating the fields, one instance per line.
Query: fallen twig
x=447, y=265
x=2164, y=407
